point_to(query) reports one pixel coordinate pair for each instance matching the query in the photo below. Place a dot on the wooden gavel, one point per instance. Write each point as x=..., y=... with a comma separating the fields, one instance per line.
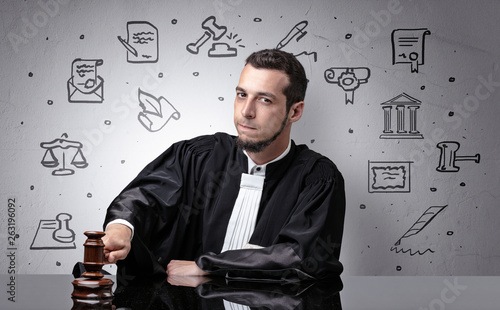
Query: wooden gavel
x=449, y=156
x=92, y=285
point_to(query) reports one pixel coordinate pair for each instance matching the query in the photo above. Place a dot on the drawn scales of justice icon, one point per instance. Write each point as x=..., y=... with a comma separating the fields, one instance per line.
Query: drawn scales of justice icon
x=65, y=148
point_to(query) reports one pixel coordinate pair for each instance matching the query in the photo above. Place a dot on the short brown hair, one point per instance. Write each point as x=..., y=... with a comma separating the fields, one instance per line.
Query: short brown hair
x=275, y=59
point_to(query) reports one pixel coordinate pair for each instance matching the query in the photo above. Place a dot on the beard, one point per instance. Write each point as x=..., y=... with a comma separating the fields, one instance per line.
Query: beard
x=259, y=146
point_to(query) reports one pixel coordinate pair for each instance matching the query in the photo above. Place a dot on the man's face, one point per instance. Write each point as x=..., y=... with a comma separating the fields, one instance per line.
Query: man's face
x=260, y=113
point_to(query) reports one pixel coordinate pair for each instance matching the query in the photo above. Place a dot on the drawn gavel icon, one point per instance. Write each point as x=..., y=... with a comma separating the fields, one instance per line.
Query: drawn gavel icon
x=449, y=156
x=211, y=30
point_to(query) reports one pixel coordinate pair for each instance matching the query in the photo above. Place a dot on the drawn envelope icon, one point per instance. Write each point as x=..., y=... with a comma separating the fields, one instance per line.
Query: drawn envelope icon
x=85, y=85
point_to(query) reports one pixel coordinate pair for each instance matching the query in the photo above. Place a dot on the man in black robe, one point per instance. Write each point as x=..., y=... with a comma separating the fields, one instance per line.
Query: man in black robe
x=255, y=206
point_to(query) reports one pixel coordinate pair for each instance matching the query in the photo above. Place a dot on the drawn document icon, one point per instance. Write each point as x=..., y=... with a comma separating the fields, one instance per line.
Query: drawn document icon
x=141, y=43
x=408, y=47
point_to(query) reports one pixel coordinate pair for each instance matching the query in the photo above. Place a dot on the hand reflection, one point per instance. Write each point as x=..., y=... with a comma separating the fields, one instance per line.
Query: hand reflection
x=201, y=292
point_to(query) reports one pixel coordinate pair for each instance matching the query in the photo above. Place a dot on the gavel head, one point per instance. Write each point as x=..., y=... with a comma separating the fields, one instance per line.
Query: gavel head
x=447, y=157
x=216, y=30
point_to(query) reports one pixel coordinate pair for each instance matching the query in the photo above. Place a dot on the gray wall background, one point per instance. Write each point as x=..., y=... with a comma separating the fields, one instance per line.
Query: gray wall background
x=71, y=140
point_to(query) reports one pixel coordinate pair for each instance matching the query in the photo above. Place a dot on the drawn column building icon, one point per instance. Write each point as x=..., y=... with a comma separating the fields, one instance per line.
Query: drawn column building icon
x=401, y=104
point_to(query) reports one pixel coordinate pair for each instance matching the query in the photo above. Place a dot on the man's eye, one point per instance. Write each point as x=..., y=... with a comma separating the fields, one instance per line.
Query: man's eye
x=241, y=95
x=265, y=100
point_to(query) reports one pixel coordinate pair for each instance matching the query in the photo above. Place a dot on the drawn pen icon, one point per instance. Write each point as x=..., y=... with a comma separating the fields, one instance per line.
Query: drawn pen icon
x=297, y=30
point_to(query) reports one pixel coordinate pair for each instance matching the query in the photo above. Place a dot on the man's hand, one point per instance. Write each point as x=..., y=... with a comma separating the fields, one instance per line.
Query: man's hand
x=184, y=268
x=116, y=242
x=187, y=281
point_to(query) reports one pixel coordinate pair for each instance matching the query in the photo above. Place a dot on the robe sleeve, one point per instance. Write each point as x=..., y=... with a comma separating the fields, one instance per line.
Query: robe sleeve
x=156, y=201
x=308, y=245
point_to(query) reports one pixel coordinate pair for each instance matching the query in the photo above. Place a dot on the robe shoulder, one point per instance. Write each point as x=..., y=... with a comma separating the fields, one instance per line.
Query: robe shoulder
x=317, y=167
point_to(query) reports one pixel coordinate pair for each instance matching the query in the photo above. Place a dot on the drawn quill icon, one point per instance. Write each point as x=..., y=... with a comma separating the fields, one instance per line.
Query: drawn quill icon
x=417, y=227
x=128, y=46
x=297, y=30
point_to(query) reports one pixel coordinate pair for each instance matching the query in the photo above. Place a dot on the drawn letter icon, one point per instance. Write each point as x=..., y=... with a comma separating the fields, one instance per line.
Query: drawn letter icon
x=85, y=85
x=408, y=47
x=156, y=112
x=142, y=42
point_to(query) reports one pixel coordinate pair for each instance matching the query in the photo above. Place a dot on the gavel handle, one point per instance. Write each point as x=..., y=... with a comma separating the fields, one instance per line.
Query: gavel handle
x=475, y=158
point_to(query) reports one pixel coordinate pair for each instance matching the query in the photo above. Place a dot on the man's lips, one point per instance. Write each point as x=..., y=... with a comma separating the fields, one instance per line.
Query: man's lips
x=246, y=127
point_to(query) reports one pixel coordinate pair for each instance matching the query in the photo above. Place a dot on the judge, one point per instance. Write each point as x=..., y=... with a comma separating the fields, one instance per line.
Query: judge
x=252, y=206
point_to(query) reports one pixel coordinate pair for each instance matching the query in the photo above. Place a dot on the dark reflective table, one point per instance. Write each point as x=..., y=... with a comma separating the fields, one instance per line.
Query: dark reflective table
x=352, y=292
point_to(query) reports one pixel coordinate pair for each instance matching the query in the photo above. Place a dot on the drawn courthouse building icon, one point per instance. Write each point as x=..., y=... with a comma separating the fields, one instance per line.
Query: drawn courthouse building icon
x=401, y=104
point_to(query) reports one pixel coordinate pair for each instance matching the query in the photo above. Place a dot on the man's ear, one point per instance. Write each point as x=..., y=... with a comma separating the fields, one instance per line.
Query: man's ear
x=295, y=112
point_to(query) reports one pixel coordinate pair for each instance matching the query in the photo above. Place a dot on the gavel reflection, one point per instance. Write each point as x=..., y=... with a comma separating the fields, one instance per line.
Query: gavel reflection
x=449, y=156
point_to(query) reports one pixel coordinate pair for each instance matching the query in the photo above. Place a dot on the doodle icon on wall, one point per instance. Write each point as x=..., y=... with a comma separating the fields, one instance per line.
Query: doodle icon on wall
x=349, y=79
x=141, y=43
x=295, y=35
x=408, y=46
x=215, y=32
x=389, y=177
x=85, y=85
x=415, y=229
x=401, y=103
x=448, y=156
x=156, y=112
x=61, y=149
x=54, y=234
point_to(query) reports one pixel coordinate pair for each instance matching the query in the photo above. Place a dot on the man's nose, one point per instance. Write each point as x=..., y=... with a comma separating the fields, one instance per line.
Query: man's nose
x=248, y=109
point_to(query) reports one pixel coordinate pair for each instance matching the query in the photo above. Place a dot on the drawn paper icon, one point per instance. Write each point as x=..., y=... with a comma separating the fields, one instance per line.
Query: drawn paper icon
x=388, y=177
x=425, y=219
x=349, y=79
x=408, y=47
x=156, y=112
x=85, y=85
x=61, y=149
x=54, y=234
x=142, y=42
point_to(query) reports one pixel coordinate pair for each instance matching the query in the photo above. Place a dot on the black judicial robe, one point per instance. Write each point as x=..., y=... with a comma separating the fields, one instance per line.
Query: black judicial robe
x=180, y=205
